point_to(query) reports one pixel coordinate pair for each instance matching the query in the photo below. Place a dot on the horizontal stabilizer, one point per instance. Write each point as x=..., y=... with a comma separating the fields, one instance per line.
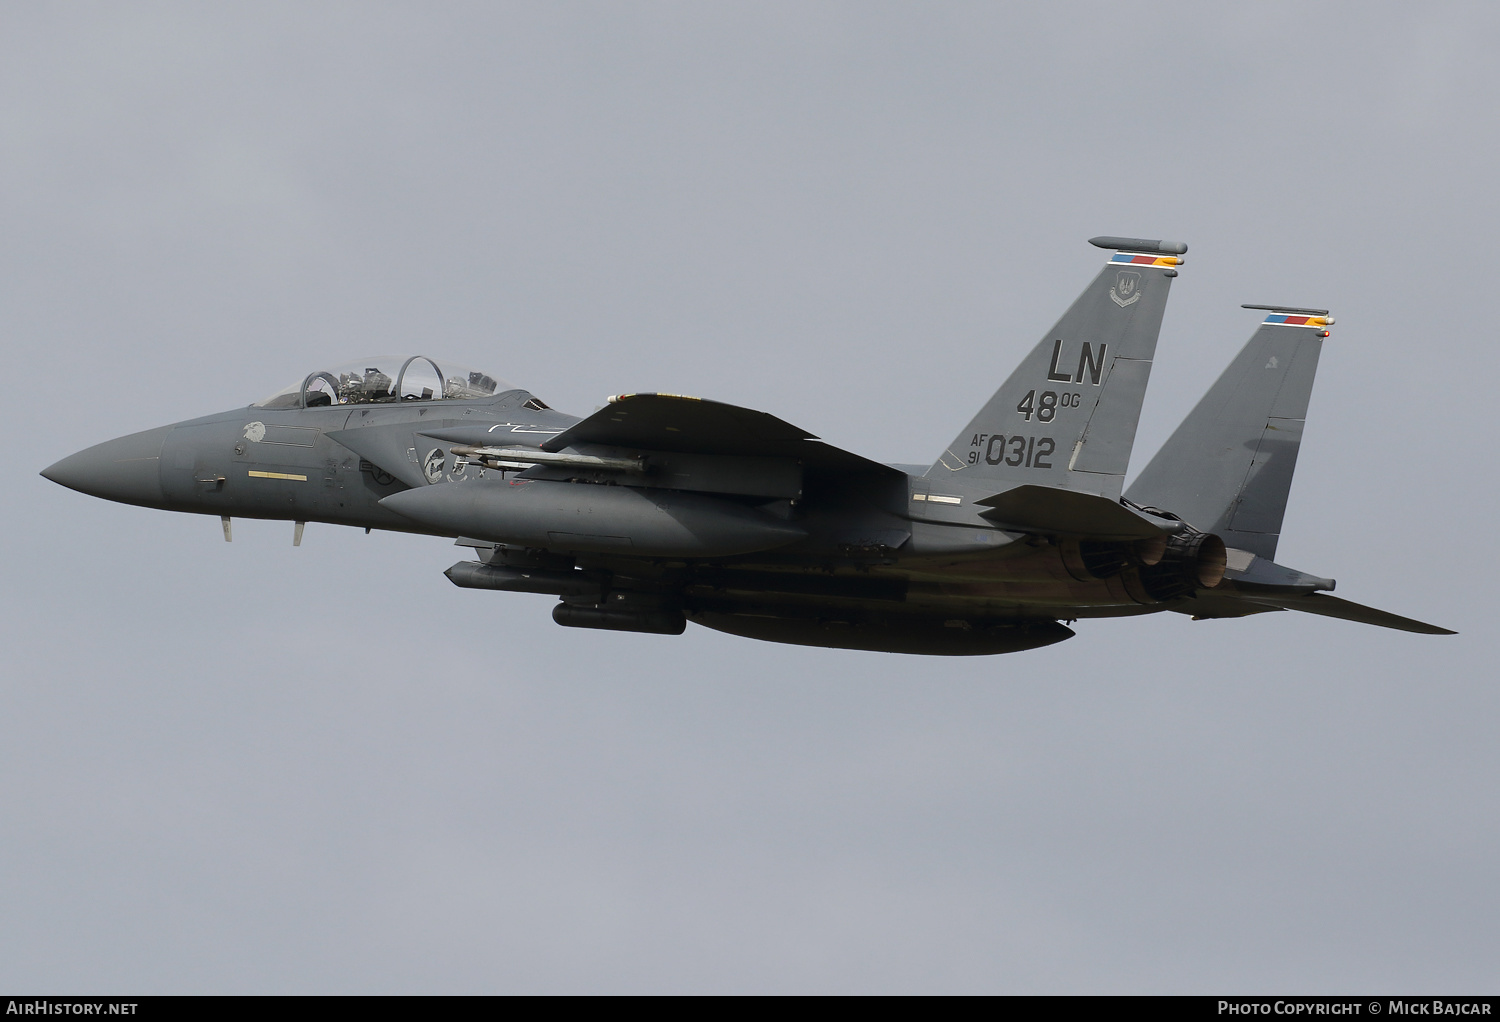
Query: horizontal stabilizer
x=690, y=425
x=1046, y=509
x=1332, y=606
x=1251, y=573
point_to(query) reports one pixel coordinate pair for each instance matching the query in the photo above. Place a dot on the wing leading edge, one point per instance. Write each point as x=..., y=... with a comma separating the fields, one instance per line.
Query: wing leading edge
x=690, y=425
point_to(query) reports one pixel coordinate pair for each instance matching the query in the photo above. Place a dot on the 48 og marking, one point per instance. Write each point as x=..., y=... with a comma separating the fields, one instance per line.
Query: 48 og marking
x=1046, y=407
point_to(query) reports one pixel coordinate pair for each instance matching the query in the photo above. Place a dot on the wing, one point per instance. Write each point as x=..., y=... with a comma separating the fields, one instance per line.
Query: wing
x=690, y=425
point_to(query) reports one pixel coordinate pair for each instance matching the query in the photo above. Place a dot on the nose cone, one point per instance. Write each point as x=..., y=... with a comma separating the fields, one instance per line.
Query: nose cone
x=126, y=469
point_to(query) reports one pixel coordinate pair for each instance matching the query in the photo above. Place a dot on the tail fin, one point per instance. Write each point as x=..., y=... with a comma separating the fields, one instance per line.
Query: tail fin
x=1228, y=468
x=1066, y=418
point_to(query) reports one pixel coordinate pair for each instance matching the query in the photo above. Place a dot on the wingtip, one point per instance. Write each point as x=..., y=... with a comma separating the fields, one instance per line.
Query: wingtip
x=1422, y=627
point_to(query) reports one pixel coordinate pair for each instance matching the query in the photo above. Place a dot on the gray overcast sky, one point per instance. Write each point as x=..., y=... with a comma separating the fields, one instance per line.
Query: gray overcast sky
x=252, y=768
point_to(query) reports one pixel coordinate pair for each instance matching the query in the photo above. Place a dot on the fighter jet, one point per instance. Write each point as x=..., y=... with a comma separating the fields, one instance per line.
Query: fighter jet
x=661, y=509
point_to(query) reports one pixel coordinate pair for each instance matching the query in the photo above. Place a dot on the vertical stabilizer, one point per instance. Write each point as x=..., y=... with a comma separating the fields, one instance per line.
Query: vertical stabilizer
x=1228, y=468
x=1066, y=418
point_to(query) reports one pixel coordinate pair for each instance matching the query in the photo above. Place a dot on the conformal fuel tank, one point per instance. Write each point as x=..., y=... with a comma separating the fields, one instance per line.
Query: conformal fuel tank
x=594, y=518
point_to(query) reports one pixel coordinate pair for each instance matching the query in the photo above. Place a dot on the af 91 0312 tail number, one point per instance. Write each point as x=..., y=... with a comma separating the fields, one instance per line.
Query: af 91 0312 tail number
x=1015, y=451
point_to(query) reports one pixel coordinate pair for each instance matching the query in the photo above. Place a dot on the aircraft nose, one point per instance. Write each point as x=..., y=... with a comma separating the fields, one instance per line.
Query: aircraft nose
x=126, y=469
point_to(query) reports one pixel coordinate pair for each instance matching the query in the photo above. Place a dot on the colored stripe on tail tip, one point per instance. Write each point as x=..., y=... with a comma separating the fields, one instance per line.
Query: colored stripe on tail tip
x=1284, y=319
x=1146, y=260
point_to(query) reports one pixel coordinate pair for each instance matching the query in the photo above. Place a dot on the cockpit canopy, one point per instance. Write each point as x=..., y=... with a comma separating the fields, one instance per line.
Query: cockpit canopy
x=386, y=378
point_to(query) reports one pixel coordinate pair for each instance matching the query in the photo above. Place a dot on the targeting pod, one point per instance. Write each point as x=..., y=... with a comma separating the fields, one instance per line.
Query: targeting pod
x=474, y=575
